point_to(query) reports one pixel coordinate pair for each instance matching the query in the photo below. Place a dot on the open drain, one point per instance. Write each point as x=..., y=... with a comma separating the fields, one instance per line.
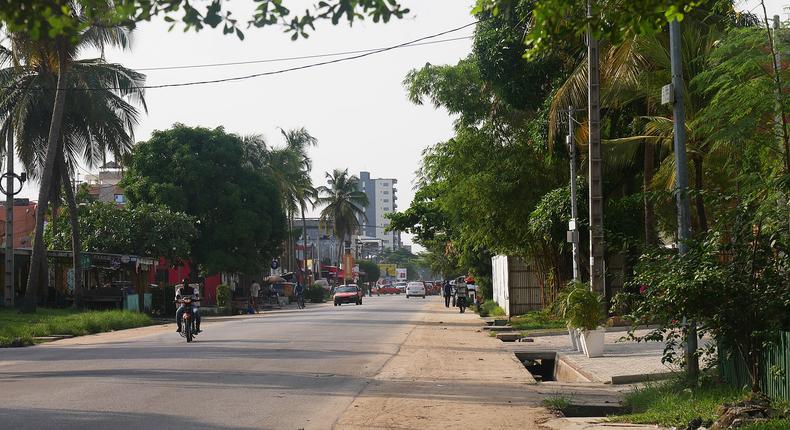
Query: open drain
x=542, y=365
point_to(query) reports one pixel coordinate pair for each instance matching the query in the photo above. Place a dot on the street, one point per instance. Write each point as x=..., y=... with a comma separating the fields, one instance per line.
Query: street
x=287, y=370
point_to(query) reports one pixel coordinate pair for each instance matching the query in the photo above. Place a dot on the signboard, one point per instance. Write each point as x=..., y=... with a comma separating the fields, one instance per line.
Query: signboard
x=348, y=264
x=388, y=270
x=401, y=274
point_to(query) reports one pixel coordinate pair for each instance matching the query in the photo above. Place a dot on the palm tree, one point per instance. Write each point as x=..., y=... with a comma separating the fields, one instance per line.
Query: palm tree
x=291, y=167
x=343, y=205
x=97, y=118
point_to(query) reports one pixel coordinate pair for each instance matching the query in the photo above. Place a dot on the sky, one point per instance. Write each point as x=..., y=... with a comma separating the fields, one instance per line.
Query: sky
x=357, y=110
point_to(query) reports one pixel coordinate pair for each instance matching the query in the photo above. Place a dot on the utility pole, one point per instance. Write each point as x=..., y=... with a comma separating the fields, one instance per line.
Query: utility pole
x=681, y=175
x=9, y=221
x=573, y=233
x=595, y=176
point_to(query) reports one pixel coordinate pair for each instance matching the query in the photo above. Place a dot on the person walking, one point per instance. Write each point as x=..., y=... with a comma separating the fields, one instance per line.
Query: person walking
x=447, y=290
x=255, y=289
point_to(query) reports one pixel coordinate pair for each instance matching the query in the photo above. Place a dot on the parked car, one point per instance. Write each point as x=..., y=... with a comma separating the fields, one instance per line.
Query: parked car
x=401, y=285
x=347, y=294
x=415, y=289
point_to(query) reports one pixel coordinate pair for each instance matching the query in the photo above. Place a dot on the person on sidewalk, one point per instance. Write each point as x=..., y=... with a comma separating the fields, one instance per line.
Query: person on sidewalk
x=447, y=290
x=183, y=291
x=255, y=289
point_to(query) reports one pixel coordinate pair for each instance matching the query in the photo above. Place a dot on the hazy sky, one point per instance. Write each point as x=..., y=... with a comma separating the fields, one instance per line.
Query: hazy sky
x=358, y=109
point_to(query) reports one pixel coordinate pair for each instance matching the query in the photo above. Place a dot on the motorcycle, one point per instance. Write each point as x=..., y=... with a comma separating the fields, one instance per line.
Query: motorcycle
x=188, y=328
x=461, y=301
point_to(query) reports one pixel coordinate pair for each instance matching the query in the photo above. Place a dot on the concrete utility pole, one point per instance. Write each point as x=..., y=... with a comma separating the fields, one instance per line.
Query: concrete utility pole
x=573, y=233
x=9, y=222
x=681, y=174
x=595, y=176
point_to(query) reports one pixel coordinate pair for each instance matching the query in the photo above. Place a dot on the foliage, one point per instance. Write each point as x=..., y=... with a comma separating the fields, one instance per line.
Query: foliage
x=17, y=329
x=42, y=19
x=490, y=308
x=343, y=205
x=537, y=320
x=217, y=178
x=315, y=294
x=734, y=285
x=584, y=308
x=673, y=403
x=145, y=230
x=224, y=293
x=562, y=21
x=556, y=403
x=371, y=269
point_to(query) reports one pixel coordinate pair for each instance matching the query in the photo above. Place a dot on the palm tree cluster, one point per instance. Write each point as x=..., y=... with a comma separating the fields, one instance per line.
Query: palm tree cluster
x=64, y=111
x=344, y=205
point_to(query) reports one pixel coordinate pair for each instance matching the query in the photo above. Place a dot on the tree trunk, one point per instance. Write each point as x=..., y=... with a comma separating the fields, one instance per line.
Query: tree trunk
x=304, y=245
x=38, y=257
x=702, y=219
x=76, y=245
x=651, y=234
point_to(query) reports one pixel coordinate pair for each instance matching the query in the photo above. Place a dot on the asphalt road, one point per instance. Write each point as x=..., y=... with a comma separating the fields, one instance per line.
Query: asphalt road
x=289, y=370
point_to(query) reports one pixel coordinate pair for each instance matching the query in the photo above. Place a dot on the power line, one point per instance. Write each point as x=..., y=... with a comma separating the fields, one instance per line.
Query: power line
x=304, y=57
x=274, y=72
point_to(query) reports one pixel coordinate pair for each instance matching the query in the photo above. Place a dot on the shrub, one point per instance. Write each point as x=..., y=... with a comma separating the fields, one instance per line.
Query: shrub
x=490, y=308
x=584, y=309
x=223, y=295
x=315, y=294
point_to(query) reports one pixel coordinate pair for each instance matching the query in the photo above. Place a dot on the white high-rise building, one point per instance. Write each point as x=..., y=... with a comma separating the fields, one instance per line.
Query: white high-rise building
x=382, y=199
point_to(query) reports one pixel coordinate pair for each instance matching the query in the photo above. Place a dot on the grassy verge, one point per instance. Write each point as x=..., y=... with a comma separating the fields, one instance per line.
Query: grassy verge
x=19, y=329
x=670, y=403
x=537, y=320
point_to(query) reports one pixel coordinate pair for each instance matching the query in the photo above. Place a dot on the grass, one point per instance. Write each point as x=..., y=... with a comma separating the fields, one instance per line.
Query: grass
x=20, y=329
x=490, y=308
x=556, y=403
x=668, y=403
x=537, y=320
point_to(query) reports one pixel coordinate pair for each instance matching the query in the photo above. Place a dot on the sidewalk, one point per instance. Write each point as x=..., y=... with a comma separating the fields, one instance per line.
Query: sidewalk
x=448, y=375
x=624, y=362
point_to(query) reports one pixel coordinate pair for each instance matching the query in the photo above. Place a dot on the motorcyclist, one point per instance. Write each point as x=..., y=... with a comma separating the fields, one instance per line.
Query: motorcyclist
x=182, y=291
x=461, y=292
x=447, y=291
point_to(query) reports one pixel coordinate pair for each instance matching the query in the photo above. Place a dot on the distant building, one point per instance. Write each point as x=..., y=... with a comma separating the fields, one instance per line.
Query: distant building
x=24, y=223
x=382, y=199
x=104, y=186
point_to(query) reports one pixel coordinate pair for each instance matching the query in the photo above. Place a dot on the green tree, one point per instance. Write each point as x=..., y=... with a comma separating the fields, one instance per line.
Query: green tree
x=208, y=174
x=343, y=204
x=371, y=269
x=144, y=230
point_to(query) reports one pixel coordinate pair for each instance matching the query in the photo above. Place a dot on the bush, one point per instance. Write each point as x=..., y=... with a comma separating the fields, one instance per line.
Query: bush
x=224, y=293
x=315, y=294
x=490, y=308
x=584, y=309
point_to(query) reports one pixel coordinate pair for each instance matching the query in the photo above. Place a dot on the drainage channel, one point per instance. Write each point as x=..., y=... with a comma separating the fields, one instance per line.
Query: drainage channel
x=547, y=367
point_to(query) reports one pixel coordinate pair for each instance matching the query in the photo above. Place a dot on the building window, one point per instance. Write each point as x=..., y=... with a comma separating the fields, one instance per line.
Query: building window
x=385, y=192
x=386, y=200
x=386, y=209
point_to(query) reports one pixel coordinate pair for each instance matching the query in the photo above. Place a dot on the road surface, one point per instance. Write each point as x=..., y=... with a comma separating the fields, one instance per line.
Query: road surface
x=289, y=370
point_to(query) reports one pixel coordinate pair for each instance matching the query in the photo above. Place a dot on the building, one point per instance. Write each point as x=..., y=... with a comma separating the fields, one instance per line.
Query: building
x=24, y=223
x=382, y=199
x=104, y=186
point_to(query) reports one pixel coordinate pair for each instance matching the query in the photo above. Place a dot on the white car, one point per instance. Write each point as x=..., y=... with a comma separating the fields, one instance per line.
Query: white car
x=416, y=289
x=401, y=286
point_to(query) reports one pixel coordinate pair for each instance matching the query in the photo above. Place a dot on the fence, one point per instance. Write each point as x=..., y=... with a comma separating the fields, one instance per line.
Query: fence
x=775, y=364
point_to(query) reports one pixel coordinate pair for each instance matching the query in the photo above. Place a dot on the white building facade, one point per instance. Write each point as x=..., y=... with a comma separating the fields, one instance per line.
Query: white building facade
x=382, y=200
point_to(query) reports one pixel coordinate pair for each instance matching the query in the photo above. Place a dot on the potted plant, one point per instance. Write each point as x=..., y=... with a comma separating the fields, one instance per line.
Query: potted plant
x=585, y=311
x=561, y=310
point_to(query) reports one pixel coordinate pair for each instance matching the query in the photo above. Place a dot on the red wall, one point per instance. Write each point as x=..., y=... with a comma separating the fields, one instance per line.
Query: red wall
x=176, y=274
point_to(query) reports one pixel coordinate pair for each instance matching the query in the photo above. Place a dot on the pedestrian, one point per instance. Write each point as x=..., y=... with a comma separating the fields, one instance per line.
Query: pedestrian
x=255, y=289
x=447, y=290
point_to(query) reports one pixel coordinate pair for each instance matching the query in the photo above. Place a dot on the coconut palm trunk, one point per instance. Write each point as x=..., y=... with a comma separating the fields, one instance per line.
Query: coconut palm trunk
x=304, y=245
x=38, y=258
x=76, y=245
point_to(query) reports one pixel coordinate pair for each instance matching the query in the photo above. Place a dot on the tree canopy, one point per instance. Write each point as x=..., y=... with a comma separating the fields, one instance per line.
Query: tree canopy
x=209, y=174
